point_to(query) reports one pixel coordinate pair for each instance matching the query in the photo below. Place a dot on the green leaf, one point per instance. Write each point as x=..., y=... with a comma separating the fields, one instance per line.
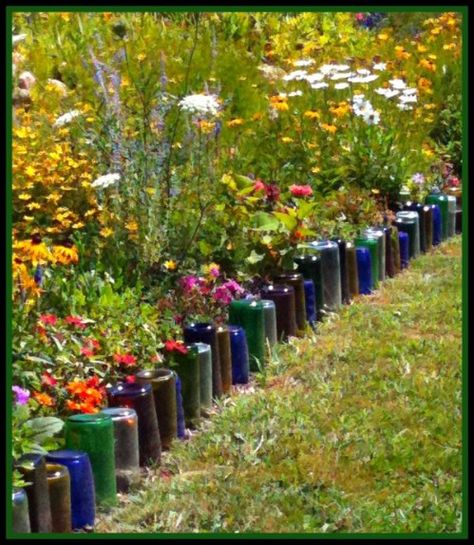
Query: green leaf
x=289, y=222
x=44, y=427
x=254, y=257
x=265, y=222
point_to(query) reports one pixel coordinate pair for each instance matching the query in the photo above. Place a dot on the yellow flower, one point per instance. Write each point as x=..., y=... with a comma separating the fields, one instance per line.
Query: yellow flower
x=131, y=226
x=65, y=255
x=428, y=65
x=150, y=190
x=30, y=171
x=106, y=232
x=421, y=48
x=257, y=116
x=315, y=170
x=89, y=213
x=33, y=250
x=206, y=126
x=312, y=114
x=383, y=37
x=24, y=196
x=170, y=265
x=279, y=103
x=329, y=128
x=401, y=53
x=287, y=140
x=341, y=109
x=78, y=225
x=141, y=57
x=235, y=122
x=33, y=206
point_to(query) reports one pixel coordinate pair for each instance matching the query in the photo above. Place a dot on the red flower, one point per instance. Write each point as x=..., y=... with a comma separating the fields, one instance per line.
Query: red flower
x=130, y=379
x=301, y=190
x=176, y=346
x=93, y=382
x=48, y=380
x=87, y=352
x=41, y=330
x=126, y=359
x=48, y=319
x=76, y=321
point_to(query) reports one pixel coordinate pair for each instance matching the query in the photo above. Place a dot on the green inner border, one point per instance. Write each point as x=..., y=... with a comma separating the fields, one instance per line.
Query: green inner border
x=8, y=214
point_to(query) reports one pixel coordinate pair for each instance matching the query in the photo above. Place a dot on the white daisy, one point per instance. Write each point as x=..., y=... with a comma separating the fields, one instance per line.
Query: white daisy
x=341, y=75
x=312, y=78
x=397, y=83
x=405, y=99
x=363, y=79
x=363, y=72
x=66, y=118
x=320, y=85
x=296, y=75
x=106, y=180
x=380, y=66
x=341, y=86
x=303, y=62
x=387, y=93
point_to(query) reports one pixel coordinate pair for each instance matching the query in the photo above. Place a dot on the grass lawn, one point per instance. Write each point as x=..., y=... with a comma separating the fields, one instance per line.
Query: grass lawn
x=356, y=428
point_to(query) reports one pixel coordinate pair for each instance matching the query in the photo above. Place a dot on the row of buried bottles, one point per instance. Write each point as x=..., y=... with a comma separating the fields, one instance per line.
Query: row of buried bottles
x=103, y=452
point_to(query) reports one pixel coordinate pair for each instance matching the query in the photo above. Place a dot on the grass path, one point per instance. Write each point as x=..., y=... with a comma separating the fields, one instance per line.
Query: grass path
x=354, y=429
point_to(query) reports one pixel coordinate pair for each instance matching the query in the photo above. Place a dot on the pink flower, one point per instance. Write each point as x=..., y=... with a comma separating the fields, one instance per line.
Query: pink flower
x=454, y=181
x=222, y=295
x=233, y=286
x=259, y=186
x=214, y=271
x=301, y=190
x=359, y=16
x=188, y=283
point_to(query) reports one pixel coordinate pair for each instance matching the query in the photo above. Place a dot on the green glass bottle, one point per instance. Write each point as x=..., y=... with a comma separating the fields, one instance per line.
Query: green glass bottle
x=250, y=315
x=94, y=434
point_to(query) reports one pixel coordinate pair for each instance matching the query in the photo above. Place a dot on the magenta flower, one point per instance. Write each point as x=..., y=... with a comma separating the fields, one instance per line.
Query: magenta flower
x=22, y=396
x=222, y=295
x=233, y=286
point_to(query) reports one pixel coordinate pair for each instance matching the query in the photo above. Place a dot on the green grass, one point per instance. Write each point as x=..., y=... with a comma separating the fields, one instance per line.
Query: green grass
x=354, y=429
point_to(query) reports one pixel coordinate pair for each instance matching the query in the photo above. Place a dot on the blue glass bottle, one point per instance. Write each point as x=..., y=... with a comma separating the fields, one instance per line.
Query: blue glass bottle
x=179, y=409
x=240, y=355
x=404, y=239
x=310, y=300
x=364, y=270
x=82, y=486
x=437, y=225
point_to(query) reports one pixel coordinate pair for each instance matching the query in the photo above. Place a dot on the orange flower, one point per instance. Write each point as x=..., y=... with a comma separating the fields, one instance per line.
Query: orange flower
x=76, y=387
x=43, y=399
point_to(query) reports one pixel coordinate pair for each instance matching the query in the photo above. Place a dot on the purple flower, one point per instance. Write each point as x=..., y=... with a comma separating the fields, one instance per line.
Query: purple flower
x=22, y=395
x=418, y=178
x=189, y=282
